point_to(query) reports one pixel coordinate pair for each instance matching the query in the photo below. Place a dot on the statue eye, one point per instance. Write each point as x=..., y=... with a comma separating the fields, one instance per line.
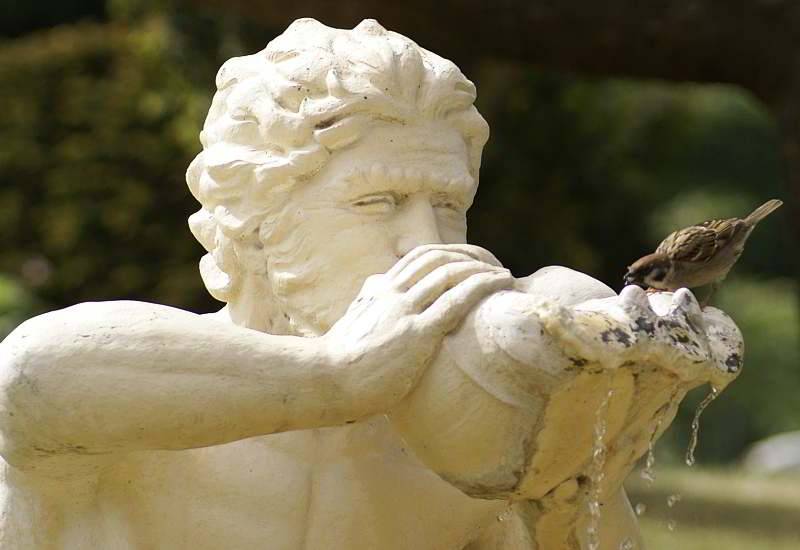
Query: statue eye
x=381, y=203
x=448, y=205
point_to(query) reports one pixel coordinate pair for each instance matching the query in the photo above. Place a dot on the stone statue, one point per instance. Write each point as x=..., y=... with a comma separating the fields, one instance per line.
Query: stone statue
x=372, y=382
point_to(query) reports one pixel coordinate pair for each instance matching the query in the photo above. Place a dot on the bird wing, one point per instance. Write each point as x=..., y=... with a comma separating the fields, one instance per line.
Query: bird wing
x=696, y=243
x=725, y=230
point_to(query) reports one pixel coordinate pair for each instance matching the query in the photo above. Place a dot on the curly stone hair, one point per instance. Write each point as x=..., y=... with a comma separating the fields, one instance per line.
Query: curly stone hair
x=279, y=114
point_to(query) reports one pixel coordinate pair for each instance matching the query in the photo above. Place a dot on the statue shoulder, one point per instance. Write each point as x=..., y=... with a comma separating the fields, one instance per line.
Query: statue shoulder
x=563, y=285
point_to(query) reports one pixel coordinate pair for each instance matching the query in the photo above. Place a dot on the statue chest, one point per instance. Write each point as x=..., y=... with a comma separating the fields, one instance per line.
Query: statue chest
x=352, y=487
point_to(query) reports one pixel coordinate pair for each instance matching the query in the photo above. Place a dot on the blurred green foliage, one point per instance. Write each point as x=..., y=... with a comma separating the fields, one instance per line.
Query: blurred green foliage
x=99, y=127
x=16, y=305
x=596, y=173
x=101, y=121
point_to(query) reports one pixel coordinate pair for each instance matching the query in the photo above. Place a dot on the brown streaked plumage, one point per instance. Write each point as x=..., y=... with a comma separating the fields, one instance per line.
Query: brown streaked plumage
x=697, y=255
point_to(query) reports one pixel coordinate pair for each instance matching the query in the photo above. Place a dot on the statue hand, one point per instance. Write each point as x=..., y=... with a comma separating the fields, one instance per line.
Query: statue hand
x=666, y=329
x=397, y=321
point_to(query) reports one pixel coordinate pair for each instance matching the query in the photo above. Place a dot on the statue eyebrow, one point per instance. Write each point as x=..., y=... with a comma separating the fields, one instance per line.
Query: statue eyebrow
x=380, y=177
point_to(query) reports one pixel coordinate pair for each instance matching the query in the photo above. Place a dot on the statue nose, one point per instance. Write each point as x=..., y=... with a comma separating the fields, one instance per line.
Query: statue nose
x=417, y=225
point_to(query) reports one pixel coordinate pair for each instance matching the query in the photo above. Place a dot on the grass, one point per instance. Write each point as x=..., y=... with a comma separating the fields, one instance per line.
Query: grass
x=726, y=510
x=693, y=537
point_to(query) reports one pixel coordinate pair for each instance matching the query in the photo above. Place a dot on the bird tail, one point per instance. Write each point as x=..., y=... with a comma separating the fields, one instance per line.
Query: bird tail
x=763, y=211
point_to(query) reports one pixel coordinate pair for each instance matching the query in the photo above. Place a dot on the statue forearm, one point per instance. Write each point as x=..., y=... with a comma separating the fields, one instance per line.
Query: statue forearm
x=107, y=378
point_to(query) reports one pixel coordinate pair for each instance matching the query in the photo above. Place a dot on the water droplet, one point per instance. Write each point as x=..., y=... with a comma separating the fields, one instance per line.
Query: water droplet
x=640, y=509
x=671, y=525
x=596, y=473
x=504, y=515
x=648, y=472
x=672, y=500
x=696, y=425
x=593, y=537
x=626, y=544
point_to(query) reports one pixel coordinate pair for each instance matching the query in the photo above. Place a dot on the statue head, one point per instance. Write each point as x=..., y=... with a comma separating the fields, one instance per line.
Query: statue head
x=282, y=117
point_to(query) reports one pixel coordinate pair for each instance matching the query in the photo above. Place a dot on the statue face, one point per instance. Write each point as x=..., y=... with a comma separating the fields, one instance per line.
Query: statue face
x=399, y=187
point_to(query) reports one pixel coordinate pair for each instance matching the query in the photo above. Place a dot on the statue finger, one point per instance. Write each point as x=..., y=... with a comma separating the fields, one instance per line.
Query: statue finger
x=447, y=311
x=445, y=277
x=425, y=264
x=634, y=301
x=479, y=253
x=685, y=304
x=472, y=251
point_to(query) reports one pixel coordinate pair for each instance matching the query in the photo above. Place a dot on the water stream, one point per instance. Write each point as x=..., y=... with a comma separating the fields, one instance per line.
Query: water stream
x=648, y=472
x=596, y=473
x=696, y=425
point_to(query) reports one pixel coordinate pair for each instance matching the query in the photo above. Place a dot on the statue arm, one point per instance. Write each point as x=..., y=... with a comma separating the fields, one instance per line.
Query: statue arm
x=97, y=380
x=80, y=386
x=107, y=378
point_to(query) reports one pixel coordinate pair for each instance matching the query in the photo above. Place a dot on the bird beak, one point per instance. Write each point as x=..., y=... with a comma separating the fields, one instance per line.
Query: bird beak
x=629, y=279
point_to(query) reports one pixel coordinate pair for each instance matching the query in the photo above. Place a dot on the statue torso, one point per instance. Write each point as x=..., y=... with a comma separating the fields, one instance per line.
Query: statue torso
x=352, y=487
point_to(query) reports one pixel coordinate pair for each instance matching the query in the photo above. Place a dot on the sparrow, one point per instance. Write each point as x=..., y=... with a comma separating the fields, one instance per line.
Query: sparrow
x=697, y=255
